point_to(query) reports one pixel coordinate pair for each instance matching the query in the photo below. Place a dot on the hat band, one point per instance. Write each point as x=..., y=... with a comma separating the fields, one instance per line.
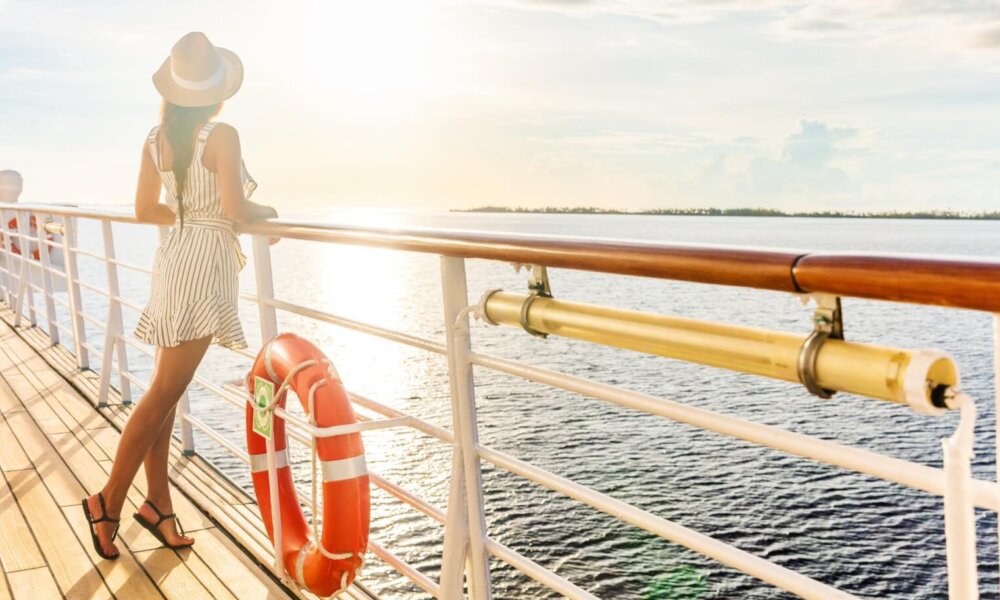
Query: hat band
x=199, y=86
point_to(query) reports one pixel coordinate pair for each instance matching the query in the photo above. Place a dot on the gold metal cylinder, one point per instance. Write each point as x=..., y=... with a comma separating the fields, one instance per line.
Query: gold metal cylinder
x=863, y=369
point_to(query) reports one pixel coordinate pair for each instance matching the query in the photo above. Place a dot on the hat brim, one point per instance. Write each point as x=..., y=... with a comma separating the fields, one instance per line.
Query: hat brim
x=225, y=89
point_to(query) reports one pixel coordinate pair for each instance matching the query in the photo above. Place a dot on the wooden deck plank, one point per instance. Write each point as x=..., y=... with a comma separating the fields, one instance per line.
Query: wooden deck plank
x=71, y=568
x=213, y=547
x=12, y=457
x=18, y=549
x=8, y=400
x=33, y=584
x=208, y=577
x=58, y=478
x=124, y=577
x=175, y=581
x=4, y=588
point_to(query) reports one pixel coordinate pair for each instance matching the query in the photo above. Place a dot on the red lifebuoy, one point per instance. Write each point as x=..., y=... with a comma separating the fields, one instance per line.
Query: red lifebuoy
x=346, y=495
x=33, y=227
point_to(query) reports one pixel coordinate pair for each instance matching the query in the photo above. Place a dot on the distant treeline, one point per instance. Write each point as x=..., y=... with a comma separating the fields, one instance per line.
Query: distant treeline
x=740, y=212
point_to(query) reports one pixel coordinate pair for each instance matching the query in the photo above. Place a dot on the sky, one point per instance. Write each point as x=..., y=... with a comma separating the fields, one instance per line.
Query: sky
x=629, y=104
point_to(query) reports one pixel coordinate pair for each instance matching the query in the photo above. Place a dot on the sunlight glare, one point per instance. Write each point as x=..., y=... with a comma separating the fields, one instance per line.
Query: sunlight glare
x=375, y=56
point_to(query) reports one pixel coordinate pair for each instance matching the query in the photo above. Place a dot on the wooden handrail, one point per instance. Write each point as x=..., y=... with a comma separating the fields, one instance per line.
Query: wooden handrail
x=959, y=282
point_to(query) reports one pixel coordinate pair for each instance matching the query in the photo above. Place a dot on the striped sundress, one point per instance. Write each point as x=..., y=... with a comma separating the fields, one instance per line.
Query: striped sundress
x=195, y=272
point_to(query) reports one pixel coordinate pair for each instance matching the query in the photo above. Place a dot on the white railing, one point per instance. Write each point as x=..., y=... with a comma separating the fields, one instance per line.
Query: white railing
x=467, y=544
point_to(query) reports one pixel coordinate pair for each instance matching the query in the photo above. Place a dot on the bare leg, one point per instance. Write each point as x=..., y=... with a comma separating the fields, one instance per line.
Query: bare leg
x=173, y=372
x=158, y=484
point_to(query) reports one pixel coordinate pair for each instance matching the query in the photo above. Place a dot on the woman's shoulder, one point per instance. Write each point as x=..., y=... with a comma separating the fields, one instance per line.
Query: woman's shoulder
x=222, y=134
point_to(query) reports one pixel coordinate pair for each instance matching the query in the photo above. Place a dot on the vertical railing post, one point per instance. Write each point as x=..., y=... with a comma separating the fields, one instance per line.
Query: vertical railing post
x=73, y=293
x=463, y=403
x=112, y=337
x=268, y=329
x=265, y=288
x=46, y=263
x=8, y=277
x=456, y=531
x=25, y=292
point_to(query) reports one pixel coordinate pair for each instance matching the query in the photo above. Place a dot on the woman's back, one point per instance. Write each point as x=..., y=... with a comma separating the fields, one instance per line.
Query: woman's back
x=201, y=196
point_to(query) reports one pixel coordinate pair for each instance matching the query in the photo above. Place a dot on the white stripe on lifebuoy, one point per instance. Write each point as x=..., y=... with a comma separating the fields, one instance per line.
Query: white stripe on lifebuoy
x=267, y=363
x=347, y=468
x=258, y=462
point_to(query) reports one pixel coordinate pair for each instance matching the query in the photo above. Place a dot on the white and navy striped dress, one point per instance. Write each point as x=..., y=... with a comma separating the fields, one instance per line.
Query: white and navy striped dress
x=195, y=273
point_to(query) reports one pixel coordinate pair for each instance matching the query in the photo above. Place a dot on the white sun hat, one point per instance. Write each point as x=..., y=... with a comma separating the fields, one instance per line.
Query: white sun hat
x=198, y=73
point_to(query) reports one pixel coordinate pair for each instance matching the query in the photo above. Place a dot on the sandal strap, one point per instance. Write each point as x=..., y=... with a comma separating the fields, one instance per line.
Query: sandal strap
x=104, y=512
x=162, y=517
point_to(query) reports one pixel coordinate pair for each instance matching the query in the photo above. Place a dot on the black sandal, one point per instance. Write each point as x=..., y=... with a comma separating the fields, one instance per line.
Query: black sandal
x=93, y=527
x=154, y=528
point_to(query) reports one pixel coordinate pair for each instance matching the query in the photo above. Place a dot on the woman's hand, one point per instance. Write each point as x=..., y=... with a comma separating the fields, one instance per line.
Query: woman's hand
x=262, y=212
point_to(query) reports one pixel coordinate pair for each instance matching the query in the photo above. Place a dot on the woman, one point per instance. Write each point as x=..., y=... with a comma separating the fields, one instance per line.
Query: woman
x=193, y=300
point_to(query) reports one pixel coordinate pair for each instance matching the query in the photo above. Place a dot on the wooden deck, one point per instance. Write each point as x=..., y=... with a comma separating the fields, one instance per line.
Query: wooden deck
x=56, y=448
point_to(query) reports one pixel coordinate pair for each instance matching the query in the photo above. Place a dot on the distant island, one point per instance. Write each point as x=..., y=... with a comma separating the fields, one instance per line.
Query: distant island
x=741, y=212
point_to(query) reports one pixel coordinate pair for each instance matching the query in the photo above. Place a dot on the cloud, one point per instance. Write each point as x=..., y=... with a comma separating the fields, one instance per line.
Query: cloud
x=805, y=165
x=988, y=38
x=802, y=172
x=951, y=25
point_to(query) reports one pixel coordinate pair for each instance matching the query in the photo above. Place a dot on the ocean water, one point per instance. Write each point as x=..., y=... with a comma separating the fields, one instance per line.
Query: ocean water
x=871, y=538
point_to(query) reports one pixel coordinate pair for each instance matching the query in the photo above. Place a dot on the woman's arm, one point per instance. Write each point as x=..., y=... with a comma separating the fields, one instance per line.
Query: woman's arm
x=229, y=172
x=148, y=208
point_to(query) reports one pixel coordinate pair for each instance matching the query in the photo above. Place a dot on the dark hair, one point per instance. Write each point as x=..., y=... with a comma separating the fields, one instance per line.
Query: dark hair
x=179, y=125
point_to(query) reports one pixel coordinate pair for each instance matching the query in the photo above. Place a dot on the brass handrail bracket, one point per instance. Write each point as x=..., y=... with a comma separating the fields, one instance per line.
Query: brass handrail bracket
x=828, y=323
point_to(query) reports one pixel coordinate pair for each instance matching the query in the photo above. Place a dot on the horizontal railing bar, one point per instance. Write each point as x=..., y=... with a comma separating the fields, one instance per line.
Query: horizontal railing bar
x=956, y=282
x=129, y=304
x=90, y=348
x=245, y=352
x=335, y=430
x=415, y=501
x=137, y=345
x=422, y=581
x=134, y=379
x=92, y=320
x=726, y=554
x=536, y=571
x=89, y=254
x=929, y=479
x=211, y=433
x=62, y=328
x=130, y=266
x=419, y=424
x=93, y=288
x=64, y=303
x=358, y=326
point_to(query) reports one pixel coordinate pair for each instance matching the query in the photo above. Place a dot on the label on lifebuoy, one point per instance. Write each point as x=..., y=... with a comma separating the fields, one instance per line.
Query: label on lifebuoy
x=263, y=417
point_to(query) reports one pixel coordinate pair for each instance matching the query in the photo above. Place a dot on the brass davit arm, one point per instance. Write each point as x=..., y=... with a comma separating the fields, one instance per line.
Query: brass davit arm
x=927, y=380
